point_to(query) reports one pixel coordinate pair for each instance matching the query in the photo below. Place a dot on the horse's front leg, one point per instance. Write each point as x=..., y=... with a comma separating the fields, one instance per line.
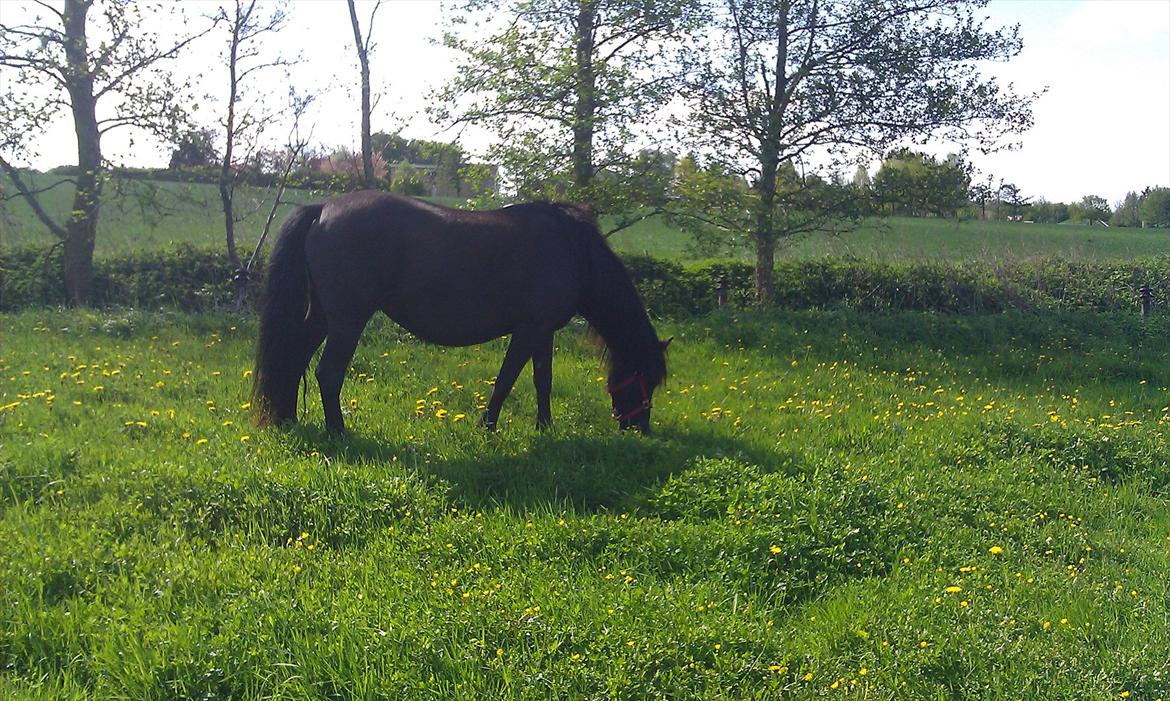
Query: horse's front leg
x=542, y=380
x=518, y=353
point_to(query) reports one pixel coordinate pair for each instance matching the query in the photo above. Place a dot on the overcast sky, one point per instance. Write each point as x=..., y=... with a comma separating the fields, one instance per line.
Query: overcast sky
x=1103, y=127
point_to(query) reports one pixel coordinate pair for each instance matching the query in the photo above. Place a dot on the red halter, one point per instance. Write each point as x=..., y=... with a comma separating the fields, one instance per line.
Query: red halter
x=638, y=408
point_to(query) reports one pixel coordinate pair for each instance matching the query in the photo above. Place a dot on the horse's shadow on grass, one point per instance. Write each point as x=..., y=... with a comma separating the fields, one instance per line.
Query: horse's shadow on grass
x=584, y=473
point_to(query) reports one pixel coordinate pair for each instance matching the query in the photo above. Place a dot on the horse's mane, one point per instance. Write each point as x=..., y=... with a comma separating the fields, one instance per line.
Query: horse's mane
x=612, y=306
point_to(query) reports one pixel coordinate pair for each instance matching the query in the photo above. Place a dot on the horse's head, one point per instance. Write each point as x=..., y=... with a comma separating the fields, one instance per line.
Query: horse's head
x=632, y=392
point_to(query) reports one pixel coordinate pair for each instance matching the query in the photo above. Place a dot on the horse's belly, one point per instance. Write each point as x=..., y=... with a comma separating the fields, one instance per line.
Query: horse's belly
x=449, y=324
x=458, y=312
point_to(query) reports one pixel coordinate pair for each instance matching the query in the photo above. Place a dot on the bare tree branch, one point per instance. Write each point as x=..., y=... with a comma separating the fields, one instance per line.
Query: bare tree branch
x=30, y=196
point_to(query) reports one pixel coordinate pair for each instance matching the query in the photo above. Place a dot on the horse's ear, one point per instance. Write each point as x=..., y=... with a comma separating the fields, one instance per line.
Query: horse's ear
x=665, y=344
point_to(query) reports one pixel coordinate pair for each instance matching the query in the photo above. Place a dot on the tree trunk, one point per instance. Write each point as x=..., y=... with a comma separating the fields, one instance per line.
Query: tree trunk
x=226, y=180
x=81, y=229
x=364, y=63
x=765, y=231
x=586, y=106
x=765, y=267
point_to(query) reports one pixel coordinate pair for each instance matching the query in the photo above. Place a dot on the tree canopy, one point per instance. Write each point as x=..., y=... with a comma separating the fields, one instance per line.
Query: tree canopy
x=66, y=59
x=918, y=184
x=819, y=81
x=567, y=87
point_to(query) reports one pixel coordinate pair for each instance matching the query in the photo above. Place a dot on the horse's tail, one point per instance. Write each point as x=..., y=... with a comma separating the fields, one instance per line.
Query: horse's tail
x=287, y=335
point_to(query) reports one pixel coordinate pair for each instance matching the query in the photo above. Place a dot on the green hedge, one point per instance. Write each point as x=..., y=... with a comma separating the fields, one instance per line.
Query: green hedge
x=186, y=278
x=954, y=288
x=198, y=279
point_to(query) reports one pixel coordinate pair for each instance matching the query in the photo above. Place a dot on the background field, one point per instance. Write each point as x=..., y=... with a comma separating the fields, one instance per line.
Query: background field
x=148, y=215
x=833, y=505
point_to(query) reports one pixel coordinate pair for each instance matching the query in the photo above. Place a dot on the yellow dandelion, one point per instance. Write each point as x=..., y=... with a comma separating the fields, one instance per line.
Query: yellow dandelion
x=995, y=550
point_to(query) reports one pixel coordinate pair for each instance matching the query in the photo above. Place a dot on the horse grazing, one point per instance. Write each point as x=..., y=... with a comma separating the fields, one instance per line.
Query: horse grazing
x=451, y=277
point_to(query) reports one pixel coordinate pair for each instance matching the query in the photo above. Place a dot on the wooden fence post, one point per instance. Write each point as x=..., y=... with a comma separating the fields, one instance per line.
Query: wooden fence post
x=1146, y=295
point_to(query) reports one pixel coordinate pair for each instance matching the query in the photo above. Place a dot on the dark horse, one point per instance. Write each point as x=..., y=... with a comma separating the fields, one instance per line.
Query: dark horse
x=451, y=277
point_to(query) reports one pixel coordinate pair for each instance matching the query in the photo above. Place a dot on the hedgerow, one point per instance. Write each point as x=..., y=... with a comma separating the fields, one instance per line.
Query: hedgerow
x=194, y=279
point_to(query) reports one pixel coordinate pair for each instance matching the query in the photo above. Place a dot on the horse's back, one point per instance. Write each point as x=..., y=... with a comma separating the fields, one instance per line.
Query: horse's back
x=450, y=276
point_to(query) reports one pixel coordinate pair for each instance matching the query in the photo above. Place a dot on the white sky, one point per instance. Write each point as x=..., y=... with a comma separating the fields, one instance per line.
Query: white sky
x=1102, y=128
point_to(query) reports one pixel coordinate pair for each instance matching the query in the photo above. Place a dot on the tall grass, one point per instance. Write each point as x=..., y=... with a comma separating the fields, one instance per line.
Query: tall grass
x=833, y=505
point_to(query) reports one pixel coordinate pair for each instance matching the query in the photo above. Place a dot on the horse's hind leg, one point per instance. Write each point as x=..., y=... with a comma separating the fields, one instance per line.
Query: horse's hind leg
x=340, y=345
x=542, y=380
x=518, y=353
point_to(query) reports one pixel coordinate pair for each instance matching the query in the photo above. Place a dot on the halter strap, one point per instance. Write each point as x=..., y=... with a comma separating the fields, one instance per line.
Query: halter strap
x=638, y=409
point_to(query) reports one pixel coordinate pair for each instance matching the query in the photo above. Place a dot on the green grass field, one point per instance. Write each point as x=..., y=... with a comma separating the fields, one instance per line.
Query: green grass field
x=833, y=505
x=146, y=216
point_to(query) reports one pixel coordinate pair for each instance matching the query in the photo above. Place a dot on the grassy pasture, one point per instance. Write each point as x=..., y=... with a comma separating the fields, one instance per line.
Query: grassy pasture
x=149, y=215
x=833, y=505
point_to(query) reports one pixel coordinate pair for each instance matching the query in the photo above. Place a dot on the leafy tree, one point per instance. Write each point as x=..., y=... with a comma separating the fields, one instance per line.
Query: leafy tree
x=407, y=181
x=1046, y=212
x=861, y=180
x=1128, y=211
x=1011, y=200
x=1155, y=207
x=981, y=193
x=781, y=80
x=196, y=149
x=862, y=185
x=1091, y=208
x=719, y=212
x=565, y=85
x=917, y=184
x=450, y=160
x=899, y=186
x=54, y=65
x=717, y=215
